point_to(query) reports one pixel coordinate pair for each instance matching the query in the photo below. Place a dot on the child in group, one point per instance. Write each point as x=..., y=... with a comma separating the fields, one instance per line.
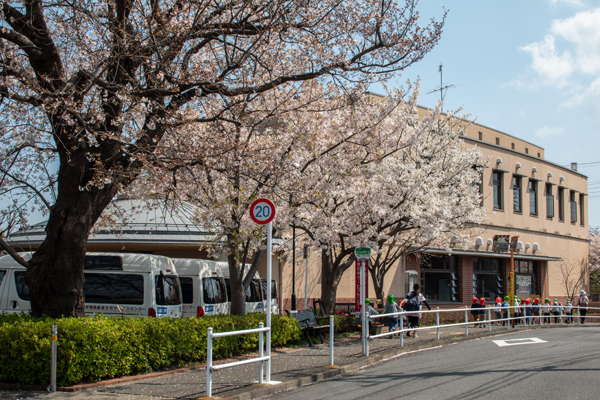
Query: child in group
x=555, y=310
x=569, y=311
x=498, y=309
x=523, y=310
x=535, y=310
x=390, y=308
x=482, y=315
x=505, y=306
x=546, y=310
x=475, y=310
x=516, y=311
x=528, y=311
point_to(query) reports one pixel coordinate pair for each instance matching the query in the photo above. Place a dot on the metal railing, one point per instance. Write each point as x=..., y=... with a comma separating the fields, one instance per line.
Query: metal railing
x=209, y=354
x=506, y=317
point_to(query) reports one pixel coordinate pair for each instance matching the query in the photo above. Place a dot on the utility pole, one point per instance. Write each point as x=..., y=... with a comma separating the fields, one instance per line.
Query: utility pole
x=442, y=89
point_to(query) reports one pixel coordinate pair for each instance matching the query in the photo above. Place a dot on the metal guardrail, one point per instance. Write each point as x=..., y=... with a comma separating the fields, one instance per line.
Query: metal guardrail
x=209, y=354
x=525, y=320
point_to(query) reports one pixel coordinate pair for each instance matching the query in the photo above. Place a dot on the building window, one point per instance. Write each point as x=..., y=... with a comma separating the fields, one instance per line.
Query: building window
x=512, y=146
x=573, y=202
x=498, y=141
x=581, y=209
x=487, y=281
x=532, y=189
x=439, y=278
x=480, y=135
x=549, y=201
x=497, y=183
x=526, y=150
x=517, y=199
x=561, y=204
x=526, y=283
x=539, y=155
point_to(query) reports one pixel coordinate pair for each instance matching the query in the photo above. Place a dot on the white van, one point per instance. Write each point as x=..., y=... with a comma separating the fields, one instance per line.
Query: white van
x=254, y=294
x=202, y=287
x=115, y=284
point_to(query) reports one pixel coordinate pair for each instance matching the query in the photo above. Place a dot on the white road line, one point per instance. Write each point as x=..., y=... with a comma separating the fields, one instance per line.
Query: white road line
x=516, y=342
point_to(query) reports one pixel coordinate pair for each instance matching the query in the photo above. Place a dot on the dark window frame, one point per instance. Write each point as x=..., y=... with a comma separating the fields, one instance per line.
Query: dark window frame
x=135, y=283
x=187, y=289
x=549, y=201
x=497, y=189
x=215, y=285
x=517, y=189
x=561, y=204
x=582, y=209
x=573, y=206
x=533, y=197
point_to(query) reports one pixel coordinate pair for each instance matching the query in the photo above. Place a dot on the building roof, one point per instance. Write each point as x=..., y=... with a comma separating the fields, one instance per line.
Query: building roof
x=134, y=222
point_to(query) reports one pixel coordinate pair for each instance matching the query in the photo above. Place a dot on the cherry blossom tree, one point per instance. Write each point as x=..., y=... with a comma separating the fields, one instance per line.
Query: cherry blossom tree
x=260, y=158
x=415, y=196
x=88, y=90
x=594, y=260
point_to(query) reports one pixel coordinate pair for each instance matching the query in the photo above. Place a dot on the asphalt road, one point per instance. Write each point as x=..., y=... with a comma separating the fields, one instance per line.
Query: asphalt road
x=565, y=366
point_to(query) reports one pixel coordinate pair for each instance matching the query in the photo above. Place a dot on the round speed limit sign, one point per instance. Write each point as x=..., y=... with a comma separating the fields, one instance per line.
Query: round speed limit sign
x=262, y=211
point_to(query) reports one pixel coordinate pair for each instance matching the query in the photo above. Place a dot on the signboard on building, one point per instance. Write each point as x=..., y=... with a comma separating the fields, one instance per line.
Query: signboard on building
x=501, y=243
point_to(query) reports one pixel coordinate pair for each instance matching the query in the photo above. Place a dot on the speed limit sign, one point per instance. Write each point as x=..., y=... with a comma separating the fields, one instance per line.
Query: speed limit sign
x=262, y=211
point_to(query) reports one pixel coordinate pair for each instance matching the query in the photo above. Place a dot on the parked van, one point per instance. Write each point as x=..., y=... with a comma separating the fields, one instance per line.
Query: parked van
x=202, y=287
x=254, y=294
x=115, y=284
x=274, y=298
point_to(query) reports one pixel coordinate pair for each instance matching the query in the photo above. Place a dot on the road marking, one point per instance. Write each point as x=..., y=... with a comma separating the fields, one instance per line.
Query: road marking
x=515, y=342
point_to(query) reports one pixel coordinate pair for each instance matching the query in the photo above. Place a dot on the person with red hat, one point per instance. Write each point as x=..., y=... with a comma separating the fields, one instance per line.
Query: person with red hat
x=498, y=309
x=535, y=310
x=528, y=311
x=475, y=310
x=482, y=311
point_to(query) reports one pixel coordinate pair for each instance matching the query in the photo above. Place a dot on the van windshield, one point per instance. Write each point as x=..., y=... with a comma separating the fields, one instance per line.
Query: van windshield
x=168, y=292
x=254, y=292
x=187, y=290
x=273, y=289
x=113, y=288
x=2, y=273
x=214, y=290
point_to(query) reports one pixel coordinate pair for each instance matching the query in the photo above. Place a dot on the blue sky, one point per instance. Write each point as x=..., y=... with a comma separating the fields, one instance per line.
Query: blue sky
x=528, y=68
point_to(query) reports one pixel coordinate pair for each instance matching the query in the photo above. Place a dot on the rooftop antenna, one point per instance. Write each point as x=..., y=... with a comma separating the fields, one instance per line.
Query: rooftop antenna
x=442, y=89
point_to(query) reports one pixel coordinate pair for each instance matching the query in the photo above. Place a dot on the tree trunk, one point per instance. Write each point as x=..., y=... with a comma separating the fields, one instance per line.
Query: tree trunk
x=377, y=283
x=328, y=286
x=55, y=273
x=238, y=292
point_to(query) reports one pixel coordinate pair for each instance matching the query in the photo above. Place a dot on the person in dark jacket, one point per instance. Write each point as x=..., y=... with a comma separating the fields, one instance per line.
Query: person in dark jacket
x=475, y=311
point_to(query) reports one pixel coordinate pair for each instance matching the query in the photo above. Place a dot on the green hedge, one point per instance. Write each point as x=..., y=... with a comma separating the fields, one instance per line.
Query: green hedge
x=95, y=348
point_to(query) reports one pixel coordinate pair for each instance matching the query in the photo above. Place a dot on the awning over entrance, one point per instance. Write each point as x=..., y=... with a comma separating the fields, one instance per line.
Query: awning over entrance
x=490, y=254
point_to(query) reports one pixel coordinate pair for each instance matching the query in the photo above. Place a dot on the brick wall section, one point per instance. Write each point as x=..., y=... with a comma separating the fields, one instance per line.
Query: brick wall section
x=542, y=278
x=413, y=263
x=465, y=278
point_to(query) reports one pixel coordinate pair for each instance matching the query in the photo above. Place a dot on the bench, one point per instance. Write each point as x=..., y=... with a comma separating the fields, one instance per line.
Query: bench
x=308, y=322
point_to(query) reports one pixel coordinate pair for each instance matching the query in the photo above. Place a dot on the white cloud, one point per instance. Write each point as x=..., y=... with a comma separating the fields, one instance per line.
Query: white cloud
x=589, y=95
x=582, y=30
x=578, y=56
x=546, y=131
x=552, y=67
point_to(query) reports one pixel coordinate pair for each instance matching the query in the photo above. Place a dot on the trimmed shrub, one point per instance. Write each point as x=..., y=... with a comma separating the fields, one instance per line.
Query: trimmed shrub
x=95, y=348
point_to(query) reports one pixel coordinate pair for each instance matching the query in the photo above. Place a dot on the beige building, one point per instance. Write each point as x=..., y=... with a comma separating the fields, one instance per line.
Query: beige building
x=543, y=203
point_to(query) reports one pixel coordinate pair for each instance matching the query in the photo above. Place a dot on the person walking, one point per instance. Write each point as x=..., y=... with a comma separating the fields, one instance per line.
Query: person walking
x=583, y=305
x=546, y=310
x=413, y=303
x=475, y=311
x=569, y=311
x=482, y=315
x=535, y=310
x=370, y=311
x=528, y=309
x=505, y=313
x=390, y=308
x=498, y=309
x=555, y=310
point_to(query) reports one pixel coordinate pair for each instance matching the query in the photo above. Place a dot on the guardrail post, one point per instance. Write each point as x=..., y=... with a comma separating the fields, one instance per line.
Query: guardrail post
x=261, y=346
x=437, y=321
x=366, y=333
x=489, y=313
x=466, y=321
x=331, y=331
x=561, y=316
x=209, y=362
x=53, y=351
x=401, y=316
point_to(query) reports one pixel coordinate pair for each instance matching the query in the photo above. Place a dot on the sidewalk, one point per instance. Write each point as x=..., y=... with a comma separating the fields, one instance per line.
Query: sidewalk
x=292, y=367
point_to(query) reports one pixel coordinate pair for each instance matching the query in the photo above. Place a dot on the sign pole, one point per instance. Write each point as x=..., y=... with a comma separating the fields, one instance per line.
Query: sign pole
x=269, y=234
x=362, y=308
x=511, y=276
x=306, y=277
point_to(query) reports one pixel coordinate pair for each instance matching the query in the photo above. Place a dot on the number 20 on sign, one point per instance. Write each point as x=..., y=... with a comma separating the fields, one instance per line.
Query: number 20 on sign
x=262, y=211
